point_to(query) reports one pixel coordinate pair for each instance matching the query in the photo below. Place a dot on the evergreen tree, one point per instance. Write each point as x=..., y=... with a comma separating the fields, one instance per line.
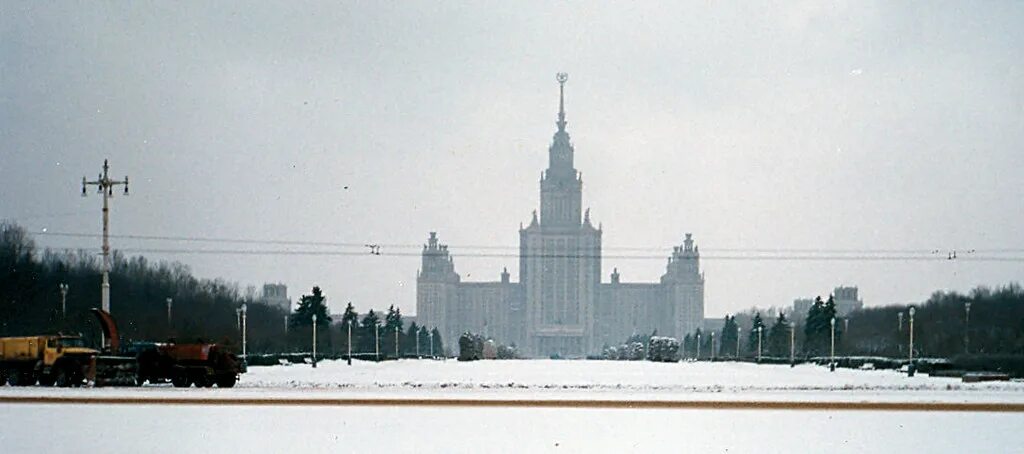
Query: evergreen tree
x=368, y=334
x=752, y=336
x=409, y=340
x=829, y=313
x=392, y=329
x=309, y=305
x=778, y=337
x=814, y=326
x=438, y=343
x=729, y=338
x=688, y=346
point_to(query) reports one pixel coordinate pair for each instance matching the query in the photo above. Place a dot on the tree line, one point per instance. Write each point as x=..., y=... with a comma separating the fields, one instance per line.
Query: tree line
x=983, y=321
x=205, y=310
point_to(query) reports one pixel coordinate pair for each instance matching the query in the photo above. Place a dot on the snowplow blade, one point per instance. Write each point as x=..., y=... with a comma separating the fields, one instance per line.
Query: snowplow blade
x=116, y=371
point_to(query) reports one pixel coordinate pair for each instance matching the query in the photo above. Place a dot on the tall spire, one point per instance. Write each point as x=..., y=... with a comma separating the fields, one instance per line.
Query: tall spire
x=561, y=78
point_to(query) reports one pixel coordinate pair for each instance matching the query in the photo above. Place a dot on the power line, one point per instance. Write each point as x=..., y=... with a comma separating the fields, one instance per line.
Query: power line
x=713, y=257
x=362, y=245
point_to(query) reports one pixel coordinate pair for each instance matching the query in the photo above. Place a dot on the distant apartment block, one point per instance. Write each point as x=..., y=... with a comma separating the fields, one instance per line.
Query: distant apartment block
x=276, y=295
x=845, y=298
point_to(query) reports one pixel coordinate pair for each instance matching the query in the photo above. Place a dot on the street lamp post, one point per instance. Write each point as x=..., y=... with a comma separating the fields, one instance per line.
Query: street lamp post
x=169, y=301
x=899, y=316
x=396, y=343
x=376, y=342
x=430, y=338
x=832, y=354
x=245, y=359
x=698, y=346
x=738, y=329
x=64, y=297
x=314, y=341
x=712, y=345
x=967, y=327
x=760, y=329
x=349, y=343
x=792, y=344
x=911, y=334
x=419, y=331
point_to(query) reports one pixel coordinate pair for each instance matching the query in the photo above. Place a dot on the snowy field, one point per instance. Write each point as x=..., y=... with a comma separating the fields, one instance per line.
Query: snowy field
x=325, y=428
x=540, y=379
x=172, y=429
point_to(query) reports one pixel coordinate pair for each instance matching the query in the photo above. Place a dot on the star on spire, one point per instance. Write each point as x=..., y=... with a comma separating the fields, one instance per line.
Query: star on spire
x=561, y=78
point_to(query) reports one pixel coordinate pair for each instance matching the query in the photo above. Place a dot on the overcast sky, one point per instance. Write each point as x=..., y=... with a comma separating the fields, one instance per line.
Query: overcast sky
x=856, y=128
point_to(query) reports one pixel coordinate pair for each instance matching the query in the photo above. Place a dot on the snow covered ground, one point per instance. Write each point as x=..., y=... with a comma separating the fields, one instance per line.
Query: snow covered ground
x=325, y=428
x=174, y=429
x=610, y=379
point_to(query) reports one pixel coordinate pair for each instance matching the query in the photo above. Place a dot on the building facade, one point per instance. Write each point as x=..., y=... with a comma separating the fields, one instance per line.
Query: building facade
x=276, y=295
x=559, y=306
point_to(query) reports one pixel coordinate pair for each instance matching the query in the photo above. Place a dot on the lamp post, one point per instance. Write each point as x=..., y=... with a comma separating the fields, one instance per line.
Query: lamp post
x=832, y=354
x=738, y=329
x=698, y=346
x=396, y=342
x=760, y=329
x=169, y=301
x=64, y=297
x=967, y=327
x=793, y=343
x=419, y=332
x=712, y=345
x=376, y=341
x=349, y=343
x=314, y=341
x=899, y=316
x=911, y=334
x=430, y=338
x=245, y=359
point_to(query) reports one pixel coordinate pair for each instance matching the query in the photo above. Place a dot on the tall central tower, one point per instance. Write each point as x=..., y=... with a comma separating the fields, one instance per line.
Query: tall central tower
x=560, y=256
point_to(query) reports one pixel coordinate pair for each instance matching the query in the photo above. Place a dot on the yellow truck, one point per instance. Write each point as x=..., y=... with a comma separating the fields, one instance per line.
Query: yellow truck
x=60, y=360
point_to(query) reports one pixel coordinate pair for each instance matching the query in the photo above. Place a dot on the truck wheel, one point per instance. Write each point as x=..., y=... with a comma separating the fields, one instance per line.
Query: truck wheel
x=203, y=381
x=22, y=378
x=180, y=381
x=47, y=380
x=226, y=381
x=63, y=379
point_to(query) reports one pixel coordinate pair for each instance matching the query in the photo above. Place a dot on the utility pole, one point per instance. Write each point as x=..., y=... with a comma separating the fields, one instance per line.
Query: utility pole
x=106, y=187
x=314, y=341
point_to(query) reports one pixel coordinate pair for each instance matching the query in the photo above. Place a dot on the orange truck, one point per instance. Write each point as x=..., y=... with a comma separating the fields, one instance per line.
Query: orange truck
x=60, y=360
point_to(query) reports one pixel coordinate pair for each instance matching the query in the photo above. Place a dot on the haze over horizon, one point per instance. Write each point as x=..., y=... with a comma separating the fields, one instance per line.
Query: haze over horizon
x=827, y=129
